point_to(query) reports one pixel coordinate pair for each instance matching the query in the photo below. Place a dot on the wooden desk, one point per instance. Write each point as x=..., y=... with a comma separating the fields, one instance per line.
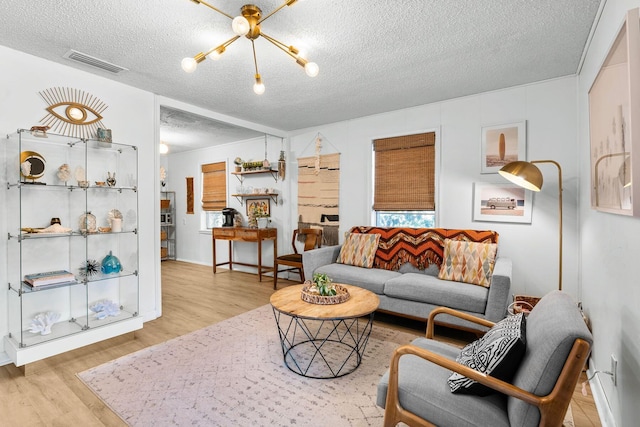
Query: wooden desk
x=244, y=234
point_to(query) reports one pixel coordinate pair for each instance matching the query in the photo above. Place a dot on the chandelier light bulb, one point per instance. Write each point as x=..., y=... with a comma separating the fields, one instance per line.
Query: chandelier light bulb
x=164, y=148
x=216, y=54
x=189, y=64
x=258, y=87
x=312, y=69
x=240, y=26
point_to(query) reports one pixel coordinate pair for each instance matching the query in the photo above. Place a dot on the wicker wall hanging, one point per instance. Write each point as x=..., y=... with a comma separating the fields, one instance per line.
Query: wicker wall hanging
x=319, y=193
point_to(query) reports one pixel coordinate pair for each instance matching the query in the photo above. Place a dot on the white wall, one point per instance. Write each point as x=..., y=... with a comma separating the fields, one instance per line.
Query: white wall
x=194, y=244
x=609, y=251
x=130, y=115
x=548, y=108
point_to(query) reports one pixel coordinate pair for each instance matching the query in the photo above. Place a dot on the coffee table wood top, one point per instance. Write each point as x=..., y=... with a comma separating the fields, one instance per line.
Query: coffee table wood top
x=361, y=303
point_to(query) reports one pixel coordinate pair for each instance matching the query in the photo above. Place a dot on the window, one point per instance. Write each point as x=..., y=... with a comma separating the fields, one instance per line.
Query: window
x=404, y=181
x=212, y=219
x=214, y=194
x=214, y=186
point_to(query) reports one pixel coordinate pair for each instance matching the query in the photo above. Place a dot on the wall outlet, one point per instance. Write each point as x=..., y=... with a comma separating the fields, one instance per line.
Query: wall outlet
x=614, y=370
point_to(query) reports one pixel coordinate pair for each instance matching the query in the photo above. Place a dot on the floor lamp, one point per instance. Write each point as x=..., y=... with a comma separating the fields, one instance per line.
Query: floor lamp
x=528, y=176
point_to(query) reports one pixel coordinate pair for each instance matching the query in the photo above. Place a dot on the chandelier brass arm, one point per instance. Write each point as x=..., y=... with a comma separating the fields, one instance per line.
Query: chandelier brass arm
x=248, y=25
x=287, y=3
x=212, y=7
x=311, y=68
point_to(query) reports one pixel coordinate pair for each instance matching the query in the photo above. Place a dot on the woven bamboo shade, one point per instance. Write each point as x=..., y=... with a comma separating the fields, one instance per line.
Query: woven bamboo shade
x=214, y=186
x=405, y=173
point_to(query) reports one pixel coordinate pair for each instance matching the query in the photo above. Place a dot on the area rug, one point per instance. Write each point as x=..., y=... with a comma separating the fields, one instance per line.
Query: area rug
x=232, y=374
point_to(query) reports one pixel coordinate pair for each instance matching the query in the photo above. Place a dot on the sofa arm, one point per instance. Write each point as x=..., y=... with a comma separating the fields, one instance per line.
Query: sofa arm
x=499, y=291
x=315, y=258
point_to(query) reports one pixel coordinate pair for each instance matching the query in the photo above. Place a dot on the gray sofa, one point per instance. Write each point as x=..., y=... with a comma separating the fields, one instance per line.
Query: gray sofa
x=414, y=293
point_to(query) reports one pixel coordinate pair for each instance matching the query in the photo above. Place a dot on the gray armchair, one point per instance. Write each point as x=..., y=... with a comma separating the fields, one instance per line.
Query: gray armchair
x=415, y=389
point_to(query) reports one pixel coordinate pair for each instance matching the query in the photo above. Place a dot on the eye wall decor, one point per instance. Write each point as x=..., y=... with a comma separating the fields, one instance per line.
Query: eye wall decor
x=72, y=112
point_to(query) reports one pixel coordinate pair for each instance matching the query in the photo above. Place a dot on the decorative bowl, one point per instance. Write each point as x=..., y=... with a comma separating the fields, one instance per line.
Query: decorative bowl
x=315, y=298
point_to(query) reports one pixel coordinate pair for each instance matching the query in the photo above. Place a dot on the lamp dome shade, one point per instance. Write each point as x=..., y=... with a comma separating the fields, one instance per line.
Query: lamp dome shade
x=524, y=174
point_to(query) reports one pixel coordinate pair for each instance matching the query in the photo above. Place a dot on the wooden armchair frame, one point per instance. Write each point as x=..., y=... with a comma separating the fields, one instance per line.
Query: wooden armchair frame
x=552, y=407
x=312, y=240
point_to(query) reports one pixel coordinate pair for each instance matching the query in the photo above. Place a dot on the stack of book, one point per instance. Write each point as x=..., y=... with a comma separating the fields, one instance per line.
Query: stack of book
x=48, y=279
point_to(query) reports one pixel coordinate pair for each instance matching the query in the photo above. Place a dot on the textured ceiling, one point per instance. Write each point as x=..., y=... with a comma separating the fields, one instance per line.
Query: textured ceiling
x=374, y=56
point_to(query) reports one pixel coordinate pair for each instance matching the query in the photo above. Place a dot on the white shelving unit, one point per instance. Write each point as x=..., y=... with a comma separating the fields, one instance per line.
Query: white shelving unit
x=32, y=203
x=167, y=225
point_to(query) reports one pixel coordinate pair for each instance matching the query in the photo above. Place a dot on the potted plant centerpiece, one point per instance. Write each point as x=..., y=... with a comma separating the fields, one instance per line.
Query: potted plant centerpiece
x=322, y=290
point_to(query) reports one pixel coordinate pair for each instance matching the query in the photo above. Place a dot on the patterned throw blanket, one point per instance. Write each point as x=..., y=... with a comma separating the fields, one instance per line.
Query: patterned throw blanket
x=418, y=246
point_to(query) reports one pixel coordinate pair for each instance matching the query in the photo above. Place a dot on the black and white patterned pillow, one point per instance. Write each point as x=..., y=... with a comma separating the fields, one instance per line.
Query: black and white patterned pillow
x=498, y=354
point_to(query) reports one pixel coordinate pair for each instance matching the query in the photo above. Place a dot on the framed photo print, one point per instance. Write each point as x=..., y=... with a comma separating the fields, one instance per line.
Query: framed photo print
x=501, y=203
x=502, y=144
x=261, y=206
x=614, y=118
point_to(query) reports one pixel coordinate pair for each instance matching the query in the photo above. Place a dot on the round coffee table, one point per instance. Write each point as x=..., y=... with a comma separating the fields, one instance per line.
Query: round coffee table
x=323, y=341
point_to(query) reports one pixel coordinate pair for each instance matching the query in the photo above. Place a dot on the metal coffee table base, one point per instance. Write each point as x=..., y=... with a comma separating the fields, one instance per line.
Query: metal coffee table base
x=323, y=348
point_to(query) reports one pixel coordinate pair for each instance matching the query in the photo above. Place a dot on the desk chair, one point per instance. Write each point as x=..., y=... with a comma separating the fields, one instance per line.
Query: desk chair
x=312, y=240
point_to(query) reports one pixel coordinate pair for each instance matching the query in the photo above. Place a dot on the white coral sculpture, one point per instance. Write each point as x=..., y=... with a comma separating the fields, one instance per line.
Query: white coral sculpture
x=105, y=308
x=43, y=321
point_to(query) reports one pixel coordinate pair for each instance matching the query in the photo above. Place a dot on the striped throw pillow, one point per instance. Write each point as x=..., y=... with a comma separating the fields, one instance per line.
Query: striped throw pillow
x=359, y=250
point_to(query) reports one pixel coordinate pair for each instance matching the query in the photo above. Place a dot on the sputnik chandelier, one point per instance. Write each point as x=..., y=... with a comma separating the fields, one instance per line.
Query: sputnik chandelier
x=248, y=25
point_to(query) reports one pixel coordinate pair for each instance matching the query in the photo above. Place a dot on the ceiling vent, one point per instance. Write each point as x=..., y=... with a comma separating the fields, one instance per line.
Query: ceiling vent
x=76, y=56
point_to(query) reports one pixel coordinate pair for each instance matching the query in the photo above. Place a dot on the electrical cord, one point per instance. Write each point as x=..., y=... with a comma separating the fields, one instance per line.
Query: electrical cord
x=584, y=383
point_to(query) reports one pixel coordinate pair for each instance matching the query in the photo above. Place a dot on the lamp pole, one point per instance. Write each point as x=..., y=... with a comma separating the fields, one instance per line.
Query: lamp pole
x=560, y=216
x=527, y=175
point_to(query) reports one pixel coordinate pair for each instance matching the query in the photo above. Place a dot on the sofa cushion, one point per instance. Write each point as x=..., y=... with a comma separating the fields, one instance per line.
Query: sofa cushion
x=372, y=279
x=424, y=391
x=468, y=262
x=359, y=250
x=498, y=354
x=429, y=289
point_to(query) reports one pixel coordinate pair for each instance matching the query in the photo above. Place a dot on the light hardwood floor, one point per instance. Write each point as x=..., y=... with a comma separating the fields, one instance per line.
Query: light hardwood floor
x=193, y=297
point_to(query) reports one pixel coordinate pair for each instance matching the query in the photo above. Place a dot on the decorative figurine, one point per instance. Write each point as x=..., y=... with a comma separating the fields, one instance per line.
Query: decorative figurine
x=105, y=308
x=40, y=131
x=64, y=173
x=25, y=168
x=81, y=177
x=43, y=322
x=111, y=264
x=111, y=179
x=90, y=268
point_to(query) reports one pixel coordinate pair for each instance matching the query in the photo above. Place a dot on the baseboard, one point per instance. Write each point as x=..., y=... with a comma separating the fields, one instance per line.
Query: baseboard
x=600, y=399
x=190, y=261
x=4, y=359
